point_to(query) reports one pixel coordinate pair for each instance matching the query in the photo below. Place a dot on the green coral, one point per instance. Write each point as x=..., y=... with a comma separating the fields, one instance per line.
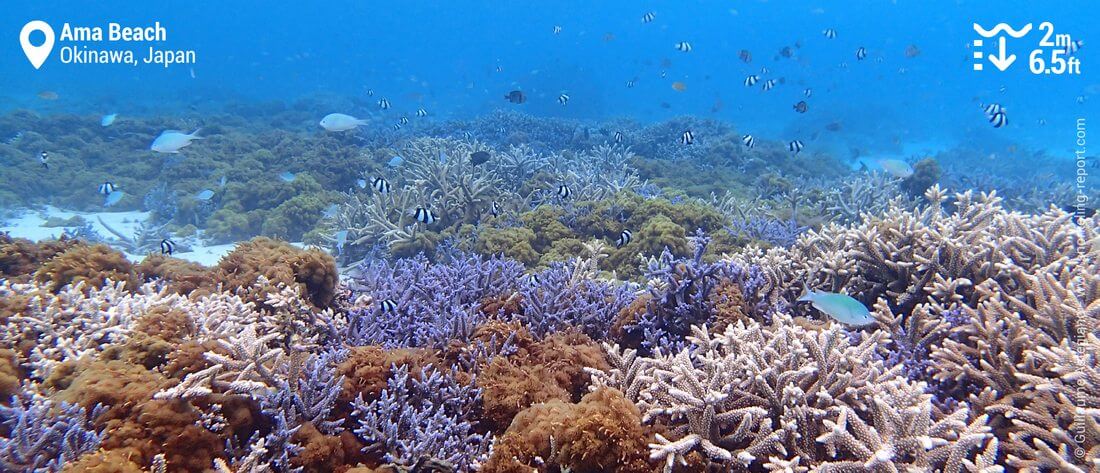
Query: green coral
x=515, y=243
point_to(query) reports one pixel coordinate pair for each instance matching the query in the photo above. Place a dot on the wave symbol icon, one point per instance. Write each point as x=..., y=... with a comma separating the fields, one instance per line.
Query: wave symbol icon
x=1002, y=27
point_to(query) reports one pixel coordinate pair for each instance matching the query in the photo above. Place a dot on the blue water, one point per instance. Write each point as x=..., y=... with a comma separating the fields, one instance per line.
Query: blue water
x=444, y=56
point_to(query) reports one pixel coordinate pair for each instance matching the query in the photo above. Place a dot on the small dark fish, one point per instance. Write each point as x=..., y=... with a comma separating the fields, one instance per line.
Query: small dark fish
x=801, y=106
x=687, y=137
x=43, y=158
x=564, y=192
x=516, y=96
x=833, y=126
x=396, y=126
x=769, y=84
x=383, y=103
x=388, y=306
x=370, y=92
x=751, y=80
x=764, y=70
x=861, y=53
x=912, y=51
x=829, y=33
x=404, y=120
x=624, y=238
x=167, y=247
x=424, y=215
x=478, y=158
x=495, y=209
x=786, y=52
x=998, y=119
x=795, y=146
x=749, y=141
x=618, y=137
x=107, y=188
x=808, y=92
x=684, y=46
x=420, y=112
x=630, y=83
x=563, y=99
x=557, y=29
x=745, y=55
x=648, y=17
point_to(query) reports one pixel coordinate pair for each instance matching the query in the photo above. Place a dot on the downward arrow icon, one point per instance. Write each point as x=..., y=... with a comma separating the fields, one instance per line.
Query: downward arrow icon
x=1002, y=62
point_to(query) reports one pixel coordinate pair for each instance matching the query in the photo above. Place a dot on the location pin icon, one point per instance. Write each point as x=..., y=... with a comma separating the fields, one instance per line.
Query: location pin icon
x=36, y=54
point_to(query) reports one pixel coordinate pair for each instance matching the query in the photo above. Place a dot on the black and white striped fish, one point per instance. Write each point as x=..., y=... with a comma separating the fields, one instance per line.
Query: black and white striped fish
x=384, y=103
x=370, y=92
x=107, y=188
x=992, y=108
x=630, y=84
x=808, y=92
x=381, y=185
x=764, y=70
x=648, y=17
x=563, y=99
x=564, y=192
x=167, y=247
x=861, y=53
x=751, y=80
x=495, y=209
x=624, y=238
x=687, y=137
x=420, y=112
x=769, y=84
x=388, y=306
x=44, y=159
x=749, y=141
x=618, y=137
x=998, y=119
x=829, y=33
x=795, y=146
x=424, y=215
x=1074, y=46
x=684, y=46
x=396, y=126
x=404, y=120
x=557, y=29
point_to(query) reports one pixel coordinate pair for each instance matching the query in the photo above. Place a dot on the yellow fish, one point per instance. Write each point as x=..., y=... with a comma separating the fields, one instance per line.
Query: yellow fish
x=679, y=86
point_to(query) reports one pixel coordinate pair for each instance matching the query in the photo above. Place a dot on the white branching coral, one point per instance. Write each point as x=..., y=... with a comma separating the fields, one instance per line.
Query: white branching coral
x=76, y=321
x=599, y=173
x=790, y=398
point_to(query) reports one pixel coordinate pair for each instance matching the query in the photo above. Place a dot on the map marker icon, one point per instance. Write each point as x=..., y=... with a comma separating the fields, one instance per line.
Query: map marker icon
x=36, y=54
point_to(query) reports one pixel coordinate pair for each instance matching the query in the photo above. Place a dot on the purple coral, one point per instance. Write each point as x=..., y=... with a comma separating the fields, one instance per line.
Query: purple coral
x=41, y=435
x=430, y=414
x=555, y=298
x=776, y=232
x=435, y=303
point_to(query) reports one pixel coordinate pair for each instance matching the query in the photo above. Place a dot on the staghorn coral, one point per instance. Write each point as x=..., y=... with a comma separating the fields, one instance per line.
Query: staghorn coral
x=41, y=435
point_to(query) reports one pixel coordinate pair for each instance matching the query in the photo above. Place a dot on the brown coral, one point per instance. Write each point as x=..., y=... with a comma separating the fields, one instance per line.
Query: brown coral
x=313, y=271
x=20, y=258
x=9, y=374
x=104, y=461
x=93, y=265
x=182, y=276
x=366, y=369
x=325, y=453
x=601, y=433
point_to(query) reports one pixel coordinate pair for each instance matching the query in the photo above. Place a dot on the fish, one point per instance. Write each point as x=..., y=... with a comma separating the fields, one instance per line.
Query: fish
x=424, y=215
x=808, y=92
x=1074, y=46
x=1080, y=100
x=795, y=146
x=745, y=56
x=404, y=120
x=648, y=17
x=48, y=95
x=834, y=126
x=478, y=158
x=108, y=119
x=608, y=37
x=687, y=137
x=287, y=176
x=664, y=74
x=494, y=210
x=829, y=33
x=381, y=185
x=896, y=167
x=557, y=29
x=684, y=46
x=172, y=141
x=786, y=52
x=769, y=84
x=624, y=238
x=362, y=183
x=861, y=53
x=370, y=92
x=340, y=122
x=383, y=104
x=395, y=161
x=167, y=247
x=630, y=83
x=341, y=239
x=801, y=106
x=1002, y=89
x=564, y=192
x=388, y=306
x=679, y=86
x=841, y=307
x=500, y=68
x=331, y=211
x=749, y=141
x=204, y=195
x=107, y=188
x=420, y=112
x=992, y=108
x=563, y=99
x=113, y=198
x=44, y=158
x=912, y=51
x=998, y=119
x=618, y=137
x=515, y=96
x=222, y=181
x=764, y=70
x=396, y=126
x=751, y=80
